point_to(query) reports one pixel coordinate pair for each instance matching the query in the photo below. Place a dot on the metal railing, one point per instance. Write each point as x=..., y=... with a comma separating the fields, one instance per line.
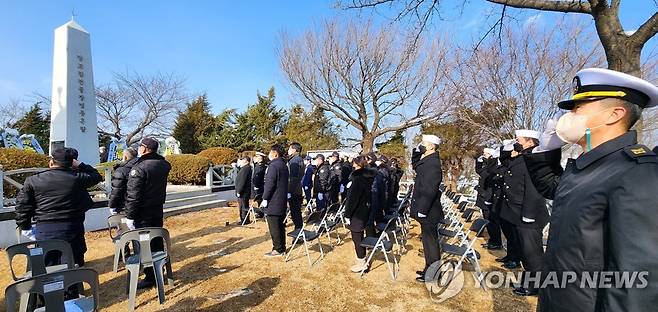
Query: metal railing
x=220, y=176
x=100, y=190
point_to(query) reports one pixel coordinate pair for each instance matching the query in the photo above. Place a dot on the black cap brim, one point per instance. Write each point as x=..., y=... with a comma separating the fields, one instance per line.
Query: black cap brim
x=570, y=104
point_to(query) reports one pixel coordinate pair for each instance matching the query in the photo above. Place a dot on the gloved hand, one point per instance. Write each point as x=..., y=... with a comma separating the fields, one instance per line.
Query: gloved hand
x=420, y=215
x=113, y=211
x=528, y=220
x=289, y=195
x=130, y=224
x=342, y=188
x=347, y=221
x=508, y=145
x=263, y=204
x=306, y=188
x=255, y=189
x=320, y=196
x=481, y=158
x=237, y=194
x=29, y=234
x=549, y=140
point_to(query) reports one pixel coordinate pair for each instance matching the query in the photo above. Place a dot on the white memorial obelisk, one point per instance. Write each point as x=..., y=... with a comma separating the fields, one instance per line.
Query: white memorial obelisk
x=73, y=113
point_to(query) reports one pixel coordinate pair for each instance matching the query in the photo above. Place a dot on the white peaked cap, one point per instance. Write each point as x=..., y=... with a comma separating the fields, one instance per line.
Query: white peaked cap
x=524, y=133
x=430, y=138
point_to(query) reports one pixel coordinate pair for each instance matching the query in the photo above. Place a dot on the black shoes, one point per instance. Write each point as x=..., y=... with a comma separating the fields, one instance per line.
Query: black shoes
x=503, y=259
x=145, y=284
x=525, y=292
x=420, y=273
x=420, y=279
x=493, y=247
x=511, y=265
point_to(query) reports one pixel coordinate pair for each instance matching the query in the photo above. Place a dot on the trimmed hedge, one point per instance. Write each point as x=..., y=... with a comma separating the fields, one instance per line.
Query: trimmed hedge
x=220, y=155
x=12, y=158
x=188, y=169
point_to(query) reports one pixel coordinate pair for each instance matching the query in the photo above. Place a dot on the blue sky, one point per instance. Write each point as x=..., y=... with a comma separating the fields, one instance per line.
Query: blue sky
x=224, y=48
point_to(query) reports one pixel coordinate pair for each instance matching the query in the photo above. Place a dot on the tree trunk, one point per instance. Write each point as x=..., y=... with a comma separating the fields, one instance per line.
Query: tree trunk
x=624, y=57
x=368, y=142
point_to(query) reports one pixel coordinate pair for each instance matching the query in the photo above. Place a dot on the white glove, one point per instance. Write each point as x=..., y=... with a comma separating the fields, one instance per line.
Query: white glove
x=528, y=220
x=508, y=145
x=263, y=204
x=306, y=188
x=549, y=140
x=347, y=221
x=238, y=194
x=29, y=234
x=320, y=196
x=255, y=189
x=342, y=188
x=130, y=224
x=420, y=215
x=113, y=211
x=289, y=195
x=480, y=159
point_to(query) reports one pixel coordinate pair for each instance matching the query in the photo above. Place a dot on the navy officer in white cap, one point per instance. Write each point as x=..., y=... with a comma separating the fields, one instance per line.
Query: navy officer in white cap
x=426, y=198
x=605, y=203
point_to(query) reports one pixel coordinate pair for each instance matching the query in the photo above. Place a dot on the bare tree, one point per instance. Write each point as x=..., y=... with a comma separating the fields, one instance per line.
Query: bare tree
x=622, y=48
x=516, y=84
x=374, y=80
x=11, y=112
x=135, y=105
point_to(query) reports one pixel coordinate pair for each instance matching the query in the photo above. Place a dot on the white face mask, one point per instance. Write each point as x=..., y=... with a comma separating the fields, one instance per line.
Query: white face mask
x=571, y=127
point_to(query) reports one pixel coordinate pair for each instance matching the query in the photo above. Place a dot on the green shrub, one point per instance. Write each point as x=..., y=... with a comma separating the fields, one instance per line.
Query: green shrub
x=220, y=155
x=12, y=158
x=188, y=169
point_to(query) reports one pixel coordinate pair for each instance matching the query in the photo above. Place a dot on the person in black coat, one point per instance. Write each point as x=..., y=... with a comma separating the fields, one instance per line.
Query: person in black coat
x=57, y=199
x=357, y=206
x=275, y=197
x=321, y=182
x=378, y=197
x=296, y=173
x=243, y=188
x=524, y=209
x=396, y=174
x=603, y=218
x=307, y=180
x=335, y=178
x=345, y=172
x=485, y=167
x=426, y=198
x=146, y=193
x=120, y=181
x=258, y=179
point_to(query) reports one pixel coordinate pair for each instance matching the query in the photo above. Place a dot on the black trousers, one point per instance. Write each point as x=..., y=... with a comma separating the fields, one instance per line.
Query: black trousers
x=356, y=228
x=431, y=247
x=295, y=205
x=333, y=196
x=513, y=244
x=243, y=205
x=532, y=249
x=71, y=232
x=308, y=193
x=493, y=227
x=156, y=244
x=277, y=232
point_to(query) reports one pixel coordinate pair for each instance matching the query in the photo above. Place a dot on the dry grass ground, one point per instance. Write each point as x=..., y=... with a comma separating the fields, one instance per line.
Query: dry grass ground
x=212, y=260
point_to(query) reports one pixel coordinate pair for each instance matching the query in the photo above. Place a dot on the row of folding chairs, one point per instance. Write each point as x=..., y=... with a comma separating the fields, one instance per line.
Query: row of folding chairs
x=48, y=282
x=459, y=231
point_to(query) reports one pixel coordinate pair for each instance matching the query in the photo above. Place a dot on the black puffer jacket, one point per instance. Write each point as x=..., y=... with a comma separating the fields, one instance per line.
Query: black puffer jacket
x=147, y=188
x=56, y=194
x=357, y=204
x=119, y=184
x=321, y=179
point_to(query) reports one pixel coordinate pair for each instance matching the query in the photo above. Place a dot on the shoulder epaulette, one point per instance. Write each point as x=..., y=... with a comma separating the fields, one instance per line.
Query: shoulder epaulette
x=640, y=153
